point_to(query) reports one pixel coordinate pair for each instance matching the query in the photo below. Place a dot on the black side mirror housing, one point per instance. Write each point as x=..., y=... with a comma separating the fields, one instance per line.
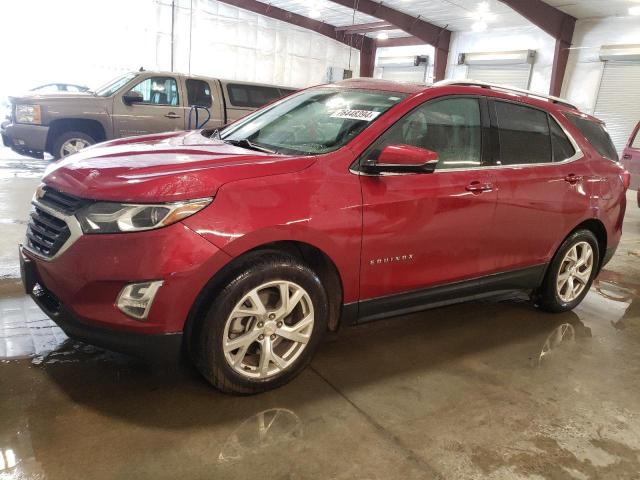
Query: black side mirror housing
x=132, y=97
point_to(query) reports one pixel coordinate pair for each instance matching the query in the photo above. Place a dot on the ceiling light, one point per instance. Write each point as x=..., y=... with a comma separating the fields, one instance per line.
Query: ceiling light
x=483, y=7
x=634, y=10
x=315, y=13
x=479, y=26
x=383, y=36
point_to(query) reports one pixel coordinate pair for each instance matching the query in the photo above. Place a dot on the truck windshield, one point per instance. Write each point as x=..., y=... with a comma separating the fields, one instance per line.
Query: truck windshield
x=312, y=122
x=114, y=85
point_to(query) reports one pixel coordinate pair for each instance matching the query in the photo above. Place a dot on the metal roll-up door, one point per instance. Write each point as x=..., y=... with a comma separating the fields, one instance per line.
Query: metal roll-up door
x=510, y=75
x=618, y=102
x=404, y=69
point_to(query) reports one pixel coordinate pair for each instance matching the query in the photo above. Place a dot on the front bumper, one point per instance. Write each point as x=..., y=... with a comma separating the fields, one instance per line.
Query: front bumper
x=155, y=347
x=28, y=140
x=79, y=288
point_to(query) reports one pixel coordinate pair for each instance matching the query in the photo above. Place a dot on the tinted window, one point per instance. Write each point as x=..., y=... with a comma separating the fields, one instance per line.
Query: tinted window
x=315, y=121
x=560, y=144
x=158, y=90
x=523, y=133
x=596, y=134
x=449, y=127
x=199, y=93
x=252, y=96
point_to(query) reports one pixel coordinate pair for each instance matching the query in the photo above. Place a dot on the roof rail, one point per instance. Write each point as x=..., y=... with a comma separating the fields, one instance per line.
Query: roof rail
x=505, y=88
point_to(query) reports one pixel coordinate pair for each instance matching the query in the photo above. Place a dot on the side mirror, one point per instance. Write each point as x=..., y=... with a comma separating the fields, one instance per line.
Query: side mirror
x=402, y=159
x=132, y=97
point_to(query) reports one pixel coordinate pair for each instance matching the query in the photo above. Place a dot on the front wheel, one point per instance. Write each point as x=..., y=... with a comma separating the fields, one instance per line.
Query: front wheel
x=68, y=143
x=570, y=273
x=263, y=328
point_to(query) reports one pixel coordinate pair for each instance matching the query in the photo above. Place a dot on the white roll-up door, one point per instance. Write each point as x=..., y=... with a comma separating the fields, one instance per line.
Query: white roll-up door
x=618, y=103
x=510, y=75
x=405, y=74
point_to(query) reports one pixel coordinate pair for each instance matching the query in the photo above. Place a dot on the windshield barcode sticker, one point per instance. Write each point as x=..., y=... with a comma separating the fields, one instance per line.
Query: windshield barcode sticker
x=365, y=115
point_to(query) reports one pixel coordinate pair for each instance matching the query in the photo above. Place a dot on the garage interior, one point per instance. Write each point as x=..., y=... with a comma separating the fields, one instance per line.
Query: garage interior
x=491, y=389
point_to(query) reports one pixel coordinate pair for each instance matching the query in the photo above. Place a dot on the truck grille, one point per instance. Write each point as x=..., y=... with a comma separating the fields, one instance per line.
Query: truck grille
x=46, y=233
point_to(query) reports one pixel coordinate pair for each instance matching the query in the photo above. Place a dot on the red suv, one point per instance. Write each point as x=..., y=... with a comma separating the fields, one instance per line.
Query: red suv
x=340, y=204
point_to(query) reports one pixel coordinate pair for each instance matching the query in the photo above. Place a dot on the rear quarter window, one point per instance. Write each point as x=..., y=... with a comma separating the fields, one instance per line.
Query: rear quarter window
x=596, y=134
x=251, y=96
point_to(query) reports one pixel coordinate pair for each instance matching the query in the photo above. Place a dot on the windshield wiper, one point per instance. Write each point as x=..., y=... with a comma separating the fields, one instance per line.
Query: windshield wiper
x=246, y=143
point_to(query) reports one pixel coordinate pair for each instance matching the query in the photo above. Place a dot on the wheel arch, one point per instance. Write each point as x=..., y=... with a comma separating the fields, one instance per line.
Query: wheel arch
x=311, y=255
x=57, y=127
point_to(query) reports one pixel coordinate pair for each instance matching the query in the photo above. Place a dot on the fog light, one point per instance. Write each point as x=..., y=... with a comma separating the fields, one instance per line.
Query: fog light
x=135, y=299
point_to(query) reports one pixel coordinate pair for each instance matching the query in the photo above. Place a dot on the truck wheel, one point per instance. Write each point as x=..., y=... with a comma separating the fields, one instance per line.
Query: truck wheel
x=570, y=273
x=70, y=142
x=263, y=328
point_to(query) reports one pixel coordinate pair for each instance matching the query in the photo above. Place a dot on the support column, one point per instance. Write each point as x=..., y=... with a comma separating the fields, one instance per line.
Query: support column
x=368, y=57
x=560, y=59
x=440, y=64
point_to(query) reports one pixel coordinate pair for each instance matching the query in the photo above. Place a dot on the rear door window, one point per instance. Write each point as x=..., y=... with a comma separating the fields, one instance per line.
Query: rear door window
x=251, y=96
x=523, y=133
x=560, y=144
x=199, y=93
x=596, y=134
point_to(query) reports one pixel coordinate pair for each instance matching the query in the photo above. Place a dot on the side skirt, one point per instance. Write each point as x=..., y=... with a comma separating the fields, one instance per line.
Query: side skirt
x=442, y=295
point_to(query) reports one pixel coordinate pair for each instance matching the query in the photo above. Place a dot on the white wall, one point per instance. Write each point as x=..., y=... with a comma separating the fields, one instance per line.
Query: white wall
x=584, y=68
x=87, y=42
x=506, y=39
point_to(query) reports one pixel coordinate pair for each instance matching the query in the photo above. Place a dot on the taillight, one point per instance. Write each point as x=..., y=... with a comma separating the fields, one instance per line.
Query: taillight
x=626, y=179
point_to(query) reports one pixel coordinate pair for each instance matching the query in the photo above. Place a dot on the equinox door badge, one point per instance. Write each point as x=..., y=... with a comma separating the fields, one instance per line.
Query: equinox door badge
x=394, y=259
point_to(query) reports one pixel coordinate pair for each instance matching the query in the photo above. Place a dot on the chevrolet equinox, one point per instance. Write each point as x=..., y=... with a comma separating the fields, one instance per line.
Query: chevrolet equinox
x=340, y=204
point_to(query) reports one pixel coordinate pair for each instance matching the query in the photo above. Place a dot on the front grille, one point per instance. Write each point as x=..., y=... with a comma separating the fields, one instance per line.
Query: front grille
x=46, y=233
x=61, y=201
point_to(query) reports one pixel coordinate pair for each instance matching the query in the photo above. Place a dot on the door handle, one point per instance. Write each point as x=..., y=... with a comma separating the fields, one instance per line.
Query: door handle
x=572, y=178
x=477, y=187
x=626, y=156
x=172, y=115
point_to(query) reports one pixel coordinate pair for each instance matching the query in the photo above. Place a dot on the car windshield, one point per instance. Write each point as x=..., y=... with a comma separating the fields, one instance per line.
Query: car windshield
x=114, y=85
x=312, y=122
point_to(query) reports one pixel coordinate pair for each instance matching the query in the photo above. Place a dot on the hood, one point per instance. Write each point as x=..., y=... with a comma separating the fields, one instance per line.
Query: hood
x=163, y=168
x=45, y=97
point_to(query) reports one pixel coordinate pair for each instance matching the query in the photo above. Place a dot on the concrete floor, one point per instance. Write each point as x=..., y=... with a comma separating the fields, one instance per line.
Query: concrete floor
x=494, y=389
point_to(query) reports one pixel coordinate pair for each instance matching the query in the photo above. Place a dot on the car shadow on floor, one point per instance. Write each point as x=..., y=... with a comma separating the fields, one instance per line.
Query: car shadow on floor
x=502, y=332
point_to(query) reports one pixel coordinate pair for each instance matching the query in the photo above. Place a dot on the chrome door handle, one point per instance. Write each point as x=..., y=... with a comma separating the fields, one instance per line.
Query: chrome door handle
x=477, y=187
x=172, y=115
x=572, y=178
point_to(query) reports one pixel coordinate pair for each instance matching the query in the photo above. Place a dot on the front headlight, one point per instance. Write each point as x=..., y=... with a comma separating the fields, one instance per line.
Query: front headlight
x=109, y=217
x=28, y=114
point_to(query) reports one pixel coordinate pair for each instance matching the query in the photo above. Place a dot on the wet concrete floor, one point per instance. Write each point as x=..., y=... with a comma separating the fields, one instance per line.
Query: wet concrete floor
x=492, y=389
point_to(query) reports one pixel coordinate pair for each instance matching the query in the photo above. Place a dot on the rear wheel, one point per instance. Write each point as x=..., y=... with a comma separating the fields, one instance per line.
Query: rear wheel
x=571, y=273
x=68, y=143
x=263, y=328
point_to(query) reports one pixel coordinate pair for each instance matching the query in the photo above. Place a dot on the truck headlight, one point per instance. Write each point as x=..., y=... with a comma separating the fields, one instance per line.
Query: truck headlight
x=111, y=217
x=28, y=114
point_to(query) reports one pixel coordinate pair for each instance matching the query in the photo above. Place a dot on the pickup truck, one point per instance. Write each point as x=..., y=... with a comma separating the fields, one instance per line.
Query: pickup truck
x=137, y=103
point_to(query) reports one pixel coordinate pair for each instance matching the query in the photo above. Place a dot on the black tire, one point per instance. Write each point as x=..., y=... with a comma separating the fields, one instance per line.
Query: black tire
x=207, y=352
x=60, y=140
x=547, y=296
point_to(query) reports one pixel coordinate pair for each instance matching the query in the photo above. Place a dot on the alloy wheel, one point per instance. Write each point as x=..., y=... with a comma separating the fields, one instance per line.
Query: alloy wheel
x=268, y=329
x=73, y=145
x=575, y=272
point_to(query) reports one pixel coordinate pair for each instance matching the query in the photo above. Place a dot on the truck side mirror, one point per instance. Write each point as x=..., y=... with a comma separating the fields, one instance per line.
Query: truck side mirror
x=132, y=97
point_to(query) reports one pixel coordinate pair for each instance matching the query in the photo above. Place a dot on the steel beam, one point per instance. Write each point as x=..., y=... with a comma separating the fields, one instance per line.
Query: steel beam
x=427, y=32
x=399, y=42
x=557, y=24
x=353, y=40
x=366, y=27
